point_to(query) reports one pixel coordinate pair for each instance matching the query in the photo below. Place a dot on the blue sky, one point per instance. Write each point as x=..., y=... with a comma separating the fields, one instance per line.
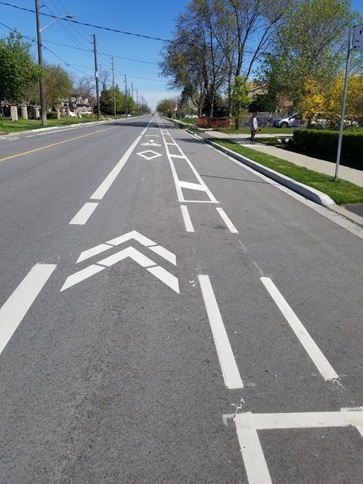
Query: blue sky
x=137, y=57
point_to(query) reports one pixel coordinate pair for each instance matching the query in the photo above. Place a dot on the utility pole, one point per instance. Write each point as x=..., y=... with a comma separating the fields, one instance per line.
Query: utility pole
x=43, y=104
x=113, y=89
x=96, y=77
x=126, y=96
x=137, y=100
x=40, y=62
x=132, y=96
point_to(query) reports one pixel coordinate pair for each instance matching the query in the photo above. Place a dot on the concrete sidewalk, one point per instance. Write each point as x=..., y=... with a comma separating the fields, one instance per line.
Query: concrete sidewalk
x=321, y=166
x=352, y=213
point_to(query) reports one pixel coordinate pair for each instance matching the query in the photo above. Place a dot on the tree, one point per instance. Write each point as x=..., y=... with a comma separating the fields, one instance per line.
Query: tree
x=309, y=46
x=85, y=88
x=216, y=41
x=240, y=99
x=18, y=70
x=313, y=100
x=107, y=98
x=57, y=85
x=244, y=29
x=166, y=106
x=193, y=59
x=106, y=102
x=354, y=105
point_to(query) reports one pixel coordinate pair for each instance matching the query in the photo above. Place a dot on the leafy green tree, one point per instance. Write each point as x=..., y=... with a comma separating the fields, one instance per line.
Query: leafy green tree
x=166, y=106
x=310, y=45
x=57, y=85
x=108, y=99
x=18, y=70
x=106, y=102
x=240, y=99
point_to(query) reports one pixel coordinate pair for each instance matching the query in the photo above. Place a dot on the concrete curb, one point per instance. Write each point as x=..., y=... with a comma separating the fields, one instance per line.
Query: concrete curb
x=304, y=190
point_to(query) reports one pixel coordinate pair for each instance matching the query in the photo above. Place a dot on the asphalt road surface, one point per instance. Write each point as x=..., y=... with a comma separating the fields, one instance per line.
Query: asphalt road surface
x=169, y=316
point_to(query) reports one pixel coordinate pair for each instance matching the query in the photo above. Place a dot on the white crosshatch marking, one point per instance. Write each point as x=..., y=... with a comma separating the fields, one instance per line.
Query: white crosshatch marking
x=180, y=184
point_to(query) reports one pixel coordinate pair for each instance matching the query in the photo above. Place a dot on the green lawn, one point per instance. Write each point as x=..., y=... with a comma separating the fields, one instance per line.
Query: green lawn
x=341, y=191
x=267, y=130
x=8, y=126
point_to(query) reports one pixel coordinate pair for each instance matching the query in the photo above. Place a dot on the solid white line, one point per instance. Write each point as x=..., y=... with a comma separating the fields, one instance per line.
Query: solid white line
x=232, y=378
x=187, y=220
x=84, y=214
x=227, y=221
x=107, y=182
x=306, y=340
x=16, y=307
x=176, y=179
x=253, y=456
x=298, y=420
x=247, y=425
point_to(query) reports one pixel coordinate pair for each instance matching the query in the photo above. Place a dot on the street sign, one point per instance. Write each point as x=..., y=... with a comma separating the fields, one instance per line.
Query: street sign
x=357, y=37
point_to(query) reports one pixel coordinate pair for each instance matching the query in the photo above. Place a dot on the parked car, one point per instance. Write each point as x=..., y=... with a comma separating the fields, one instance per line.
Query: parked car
x=287, y=122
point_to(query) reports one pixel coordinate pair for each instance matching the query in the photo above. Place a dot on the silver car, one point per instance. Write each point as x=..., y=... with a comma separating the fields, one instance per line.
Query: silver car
x=288, y=122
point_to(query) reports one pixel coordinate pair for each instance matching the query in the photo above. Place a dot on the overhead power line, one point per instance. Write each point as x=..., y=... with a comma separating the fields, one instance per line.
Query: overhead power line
x=33, y=40
x=86, y=24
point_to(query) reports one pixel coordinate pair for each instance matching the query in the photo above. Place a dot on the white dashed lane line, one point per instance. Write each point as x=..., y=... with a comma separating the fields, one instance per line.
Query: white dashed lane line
x=232, y=378
x=18, y=304
x=322, y=364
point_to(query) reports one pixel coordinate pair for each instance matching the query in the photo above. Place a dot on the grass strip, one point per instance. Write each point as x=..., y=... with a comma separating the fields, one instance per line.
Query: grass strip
x=264, y=130
x=8, y=126
x=342, y=192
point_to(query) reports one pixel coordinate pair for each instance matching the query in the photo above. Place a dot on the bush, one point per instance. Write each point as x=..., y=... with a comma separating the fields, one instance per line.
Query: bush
x=52, y=115
x=325, y=144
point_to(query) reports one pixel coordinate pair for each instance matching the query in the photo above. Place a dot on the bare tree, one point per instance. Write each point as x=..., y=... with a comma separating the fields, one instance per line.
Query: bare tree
x=217, y=41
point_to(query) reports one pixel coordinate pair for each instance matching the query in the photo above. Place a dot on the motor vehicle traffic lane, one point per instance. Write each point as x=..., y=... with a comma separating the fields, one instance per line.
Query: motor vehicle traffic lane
x=183, y=323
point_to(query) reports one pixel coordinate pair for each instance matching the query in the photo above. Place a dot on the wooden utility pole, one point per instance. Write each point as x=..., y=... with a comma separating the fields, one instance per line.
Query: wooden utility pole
x=96, y=77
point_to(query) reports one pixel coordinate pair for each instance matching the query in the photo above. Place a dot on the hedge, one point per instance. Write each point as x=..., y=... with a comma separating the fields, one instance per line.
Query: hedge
x=52, y=115
x=325, y=143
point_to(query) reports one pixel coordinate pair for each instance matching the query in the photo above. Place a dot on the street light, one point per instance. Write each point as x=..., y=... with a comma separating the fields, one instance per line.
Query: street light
x=40, y=60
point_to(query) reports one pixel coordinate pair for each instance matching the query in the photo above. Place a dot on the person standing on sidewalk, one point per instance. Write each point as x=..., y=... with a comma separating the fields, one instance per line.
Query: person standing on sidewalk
x=253, y=126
